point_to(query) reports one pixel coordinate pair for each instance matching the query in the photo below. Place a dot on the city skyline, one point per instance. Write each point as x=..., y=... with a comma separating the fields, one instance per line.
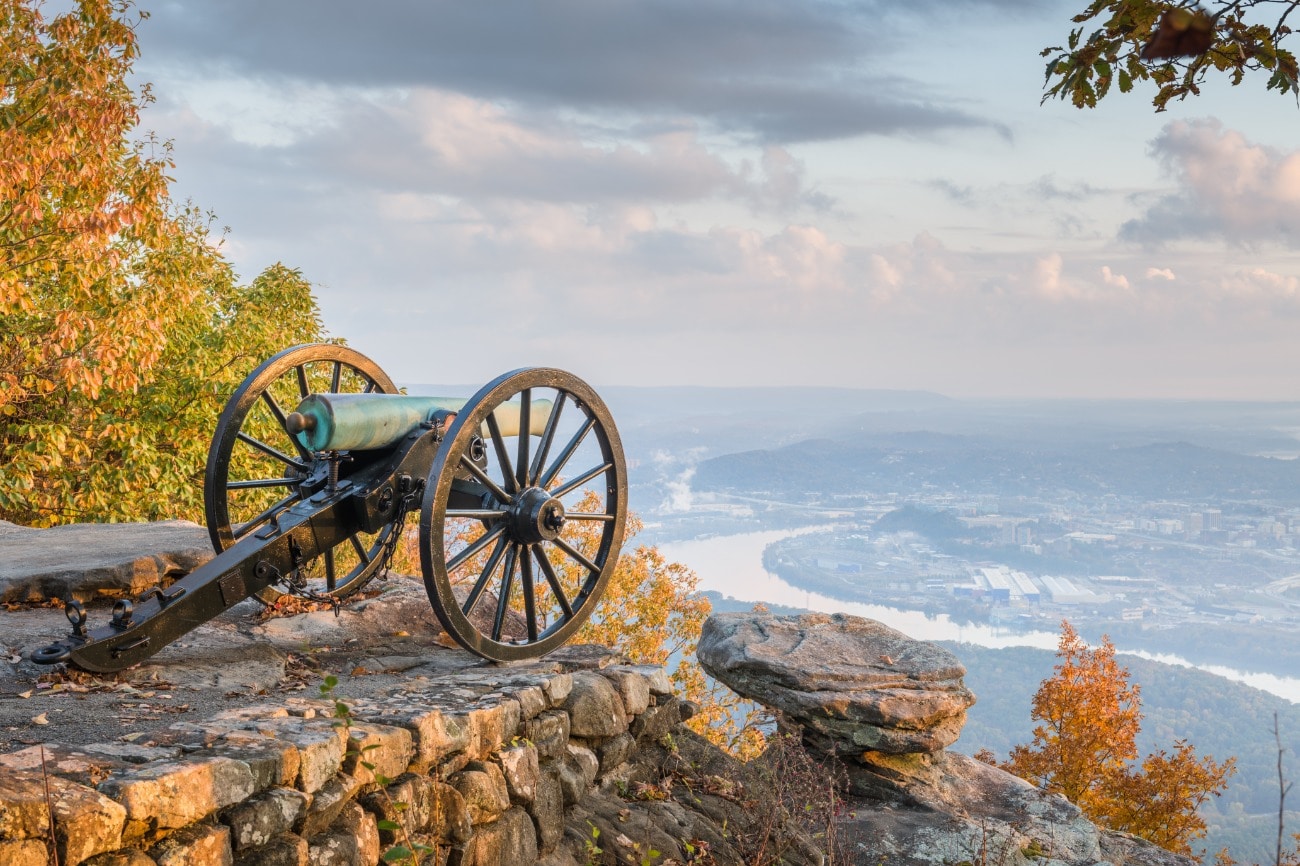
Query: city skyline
x=726, y=193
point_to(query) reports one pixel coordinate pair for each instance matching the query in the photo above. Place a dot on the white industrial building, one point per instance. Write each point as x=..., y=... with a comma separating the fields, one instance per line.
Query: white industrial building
x=1061, y=590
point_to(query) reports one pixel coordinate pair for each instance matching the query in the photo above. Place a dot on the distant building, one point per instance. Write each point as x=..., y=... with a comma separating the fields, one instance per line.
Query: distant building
x=1061, y=590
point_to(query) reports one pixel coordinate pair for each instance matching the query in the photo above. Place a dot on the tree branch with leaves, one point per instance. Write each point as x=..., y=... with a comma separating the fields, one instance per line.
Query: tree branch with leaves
x=1172, y=47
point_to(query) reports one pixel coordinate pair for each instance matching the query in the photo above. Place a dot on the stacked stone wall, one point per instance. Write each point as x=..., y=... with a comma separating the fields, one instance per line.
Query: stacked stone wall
x=479, y=766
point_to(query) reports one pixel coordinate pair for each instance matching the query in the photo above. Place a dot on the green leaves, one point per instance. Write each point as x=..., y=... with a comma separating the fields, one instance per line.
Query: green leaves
x=1174, y=45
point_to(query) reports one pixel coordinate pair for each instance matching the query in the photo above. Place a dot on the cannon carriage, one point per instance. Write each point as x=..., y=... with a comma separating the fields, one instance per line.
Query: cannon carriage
x=318, y=464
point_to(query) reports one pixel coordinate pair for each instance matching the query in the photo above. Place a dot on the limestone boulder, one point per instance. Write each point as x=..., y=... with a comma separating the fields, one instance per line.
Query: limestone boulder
x=198, y=845
x=483, y=786
x=854, y=685
x=90, y=560
x=594, y=707
x=86, y=822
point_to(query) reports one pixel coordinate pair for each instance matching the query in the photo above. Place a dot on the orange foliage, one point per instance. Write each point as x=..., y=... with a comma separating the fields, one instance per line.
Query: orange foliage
x=122, y=330
x=1086, y=747
x=77, y=203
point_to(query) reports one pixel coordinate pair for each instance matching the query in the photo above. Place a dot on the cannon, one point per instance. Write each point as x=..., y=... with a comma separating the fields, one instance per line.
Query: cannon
x=317, y=462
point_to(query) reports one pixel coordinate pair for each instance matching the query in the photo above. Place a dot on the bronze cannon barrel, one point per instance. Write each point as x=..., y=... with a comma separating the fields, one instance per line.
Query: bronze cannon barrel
x=362, y=422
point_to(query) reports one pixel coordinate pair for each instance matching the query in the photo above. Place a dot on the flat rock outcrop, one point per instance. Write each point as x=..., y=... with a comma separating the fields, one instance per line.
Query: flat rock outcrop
x=851, y=684
x=90, y=560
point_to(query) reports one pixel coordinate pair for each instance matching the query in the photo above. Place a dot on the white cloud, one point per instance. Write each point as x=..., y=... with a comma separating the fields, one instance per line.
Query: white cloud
x=1046, y=277
x=1160, y=274
x=1263, y=285
x=1226, y=187
x=1111, y=278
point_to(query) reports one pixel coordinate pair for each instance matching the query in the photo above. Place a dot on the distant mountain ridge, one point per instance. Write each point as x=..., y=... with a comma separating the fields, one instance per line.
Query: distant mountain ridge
x=887, y=462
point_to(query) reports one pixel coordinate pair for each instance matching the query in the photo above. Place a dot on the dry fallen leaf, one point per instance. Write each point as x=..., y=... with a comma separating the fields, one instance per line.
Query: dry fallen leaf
x=26, y=694
x=42, y=719
x=402, y=633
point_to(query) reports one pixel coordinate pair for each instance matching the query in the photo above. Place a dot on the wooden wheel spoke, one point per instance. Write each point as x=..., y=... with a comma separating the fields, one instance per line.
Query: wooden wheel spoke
x=482, y=476
x=582, y=479
x=588, y=515
x=262, y=482
x=271, y=451
x=548, y=437
x=530, y=603
x=360, y=548
x=525, y=419
x=576, y=555
x=335, y=376
x=525, y=412
x=499, y=445
x=476, y=591
x=478, y=544
x=273, y=406
x=507, y=584
x=548, y=571
x=280, y=419
x=476, y=513
x=331, y=579
x=563, y=458
x=303, y=388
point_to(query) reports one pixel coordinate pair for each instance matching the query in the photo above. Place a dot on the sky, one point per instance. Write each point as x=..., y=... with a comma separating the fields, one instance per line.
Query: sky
x=852, y=193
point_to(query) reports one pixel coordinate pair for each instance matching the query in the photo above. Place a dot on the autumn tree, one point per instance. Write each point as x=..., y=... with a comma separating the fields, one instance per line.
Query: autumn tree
x=122, y=328
x=1172, y=47
x=1085, y=748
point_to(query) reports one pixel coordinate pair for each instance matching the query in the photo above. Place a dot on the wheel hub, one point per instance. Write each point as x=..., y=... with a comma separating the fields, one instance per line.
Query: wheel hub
x=536, y=516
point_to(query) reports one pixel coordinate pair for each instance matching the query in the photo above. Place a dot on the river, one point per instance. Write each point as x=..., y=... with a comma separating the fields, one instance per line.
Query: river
x=733, y=566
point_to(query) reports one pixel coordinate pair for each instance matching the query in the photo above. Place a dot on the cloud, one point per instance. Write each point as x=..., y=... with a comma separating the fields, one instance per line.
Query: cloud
x=438, y=143
x=1226, y=188
x=1111, y=278
x=781, y=72
x=1278, y=291
x=1046, y=187
x=1160, y=274
x=961, y=193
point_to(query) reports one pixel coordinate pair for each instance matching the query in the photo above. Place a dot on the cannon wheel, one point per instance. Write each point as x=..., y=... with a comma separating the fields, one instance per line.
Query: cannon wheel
x=268, y=465
x=519, y=534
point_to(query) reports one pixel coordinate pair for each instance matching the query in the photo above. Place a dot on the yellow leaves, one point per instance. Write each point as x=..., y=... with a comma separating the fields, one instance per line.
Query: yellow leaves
x=1085, y=749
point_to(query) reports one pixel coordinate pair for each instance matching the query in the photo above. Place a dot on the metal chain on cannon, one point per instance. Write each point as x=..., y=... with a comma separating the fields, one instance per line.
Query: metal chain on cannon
x=294, y=584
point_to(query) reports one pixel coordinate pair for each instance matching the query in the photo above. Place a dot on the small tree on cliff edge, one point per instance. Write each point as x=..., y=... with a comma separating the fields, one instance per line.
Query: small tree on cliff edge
x=1086, y=747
